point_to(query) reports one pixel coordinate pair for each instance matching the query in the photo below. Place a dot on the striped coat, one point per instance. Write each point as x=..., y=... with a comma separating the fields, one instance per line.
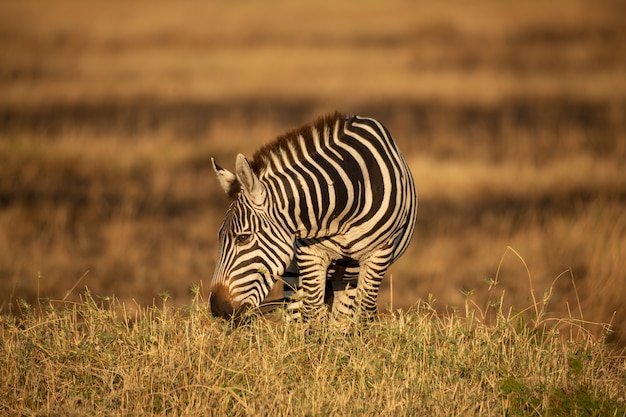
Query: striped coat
x=337, y=190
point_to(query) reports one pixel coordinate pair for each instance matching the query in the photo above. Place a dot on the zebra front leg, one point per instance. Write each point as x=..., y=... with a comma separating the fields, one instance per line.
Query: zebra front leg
x=313, y=266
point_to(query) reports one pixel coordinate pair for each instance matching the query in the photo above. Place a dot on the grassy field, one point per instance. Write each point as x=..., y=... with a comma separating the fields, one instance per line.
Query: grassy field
x=95, y=358
x=511, y=115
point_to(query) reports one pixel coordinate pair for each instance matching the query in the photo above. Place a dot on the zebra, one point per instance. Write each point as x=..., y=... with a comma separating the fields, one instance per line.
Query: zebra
x=334, y=192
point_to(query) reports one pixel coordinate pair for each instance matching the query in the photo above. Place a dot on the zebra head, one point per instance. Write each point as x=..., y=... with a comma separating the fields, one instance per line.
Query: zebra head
x=254, y=248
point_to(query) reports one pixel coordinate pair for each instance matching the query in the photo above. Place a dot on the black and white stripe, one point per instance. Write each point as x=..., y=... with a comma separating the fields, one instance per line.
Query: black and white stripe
x=336, y=194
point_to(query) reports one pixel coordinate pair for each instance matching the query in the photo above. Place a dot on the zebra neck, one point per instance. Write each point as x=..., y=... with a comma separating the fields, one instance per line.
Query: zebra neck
x=309, y=206
x=305, y=218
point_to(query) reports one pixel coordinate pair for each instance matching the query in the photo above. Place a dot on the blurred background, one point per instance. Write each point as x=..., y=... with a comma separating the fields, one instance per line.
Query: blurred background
x=512, y=116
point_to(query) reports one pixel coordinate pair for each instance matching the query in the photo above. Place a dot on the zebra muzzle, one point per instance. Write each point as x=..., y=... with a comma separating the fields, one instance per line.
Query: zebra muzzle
x=222, y=304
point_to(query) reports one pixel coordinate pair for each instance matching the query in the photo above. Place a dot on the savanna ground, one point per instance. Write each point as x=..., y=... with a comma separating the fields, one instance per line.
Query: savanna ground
x=94, y=358
x=512, y=116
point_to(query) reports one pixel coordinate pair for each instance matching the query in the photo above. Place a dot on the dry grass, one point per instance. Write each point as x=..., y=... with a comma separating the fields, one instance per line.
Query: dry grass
x=96, y=358
x=512, y=116
x=479, y=51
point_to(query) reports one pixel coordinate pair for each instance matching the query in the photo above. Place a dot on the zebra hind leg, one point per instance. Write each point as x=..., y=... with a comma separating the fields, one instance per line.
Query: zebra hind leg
x=370, y=277
x=343, y=276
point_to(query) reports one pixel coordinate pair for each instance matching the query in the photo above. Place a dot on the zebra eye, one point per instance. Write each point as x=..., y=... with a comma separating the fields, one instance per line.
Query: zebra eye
x=243, y=238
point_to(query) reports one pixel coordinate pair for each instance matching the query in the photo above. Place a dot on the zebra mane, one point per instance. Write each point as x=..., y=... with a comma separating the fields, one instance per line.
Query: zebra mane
x=283, y=142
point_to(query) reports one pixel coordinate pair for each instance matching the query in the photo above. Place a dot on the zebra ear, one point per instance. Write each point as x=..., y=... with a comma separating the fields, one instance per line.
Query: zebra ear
x=249, y=181
x=226, y=178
